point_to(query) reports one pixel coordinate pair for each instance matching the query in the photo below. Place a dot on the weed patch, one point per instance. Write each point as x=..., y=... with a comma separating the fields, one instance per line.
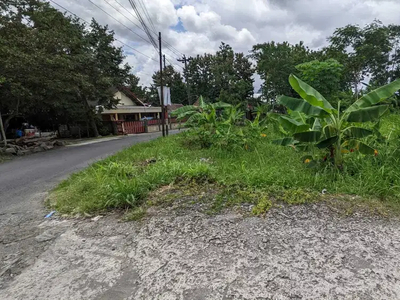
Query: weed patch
x=216, y=179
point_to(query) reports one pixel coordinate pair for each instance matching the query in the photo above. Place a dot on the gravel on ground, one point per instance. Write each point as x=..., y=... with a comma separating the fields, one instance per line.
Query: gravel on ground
x=296, y=252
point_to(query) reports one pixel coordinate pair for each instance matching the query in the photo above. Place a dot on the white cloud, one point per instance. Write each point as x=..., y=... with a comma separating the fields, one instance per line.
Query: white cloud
x=240, y=23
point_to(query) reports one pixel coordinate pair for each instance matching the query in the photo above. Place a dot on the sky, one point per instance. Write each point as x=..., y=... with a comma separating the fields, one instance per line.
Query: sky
x=194, y=27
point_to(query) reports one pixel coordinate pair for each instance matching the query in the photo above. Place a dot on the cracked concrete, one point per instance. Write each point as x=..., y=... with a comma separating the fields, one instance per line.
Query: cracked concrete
x=298, y=252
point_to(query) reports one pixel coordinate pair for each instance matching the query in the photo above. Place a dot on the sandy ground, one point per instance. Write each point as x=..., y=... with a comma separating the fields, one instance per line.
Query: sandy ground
x=298, y=252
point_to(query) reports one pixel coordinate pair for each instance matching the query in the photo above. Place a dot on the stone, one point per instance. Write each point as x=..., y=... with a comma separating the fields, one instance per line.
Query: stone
x=37, y=149
x=23, y=152
x=11, y=151
x=59, y=143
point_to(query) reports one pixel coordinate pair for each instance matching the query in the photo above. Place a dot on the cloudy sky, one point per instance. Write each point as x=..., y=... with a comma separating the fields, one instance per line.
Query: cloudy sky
x=198, y=26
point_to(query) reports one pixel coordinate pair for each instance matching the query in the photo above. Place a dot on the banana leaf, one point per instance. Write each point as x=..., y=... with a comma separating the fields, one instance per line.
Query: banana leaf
x=357, y=132
x=308, y=93
x=292, y=126
x=288, y=141
x=183, y=111
x=327, y=143
x=317, y=125
x=376, y=96
x=308, y=136
x=369, y=114
x=329, y=131
x=361, y=147
x=301, y=105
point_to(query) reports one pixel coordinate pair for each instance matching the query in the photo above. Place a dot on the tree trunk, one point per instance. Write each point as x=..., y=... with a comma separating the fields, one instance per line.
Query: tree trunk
x=3, y=132
x=94, y=126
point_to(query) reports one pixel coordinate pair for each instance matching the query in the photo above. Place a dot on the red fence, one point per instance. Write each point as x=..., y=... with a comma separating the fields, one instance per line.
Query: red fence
x=134, y=127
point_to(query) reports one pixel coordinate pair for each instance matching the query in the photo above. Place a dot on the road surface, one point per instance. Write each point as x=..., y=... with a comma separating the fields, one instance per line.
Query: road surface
x=24, y=178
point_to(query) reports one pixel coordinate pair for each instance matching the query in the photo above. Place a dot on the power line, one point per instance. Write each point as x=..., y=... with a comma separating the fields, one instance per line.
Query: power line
x=166, y=44
x=65, y=9
x=135, y=23
x=146, y=12
x=118, y=21
x=143, y=23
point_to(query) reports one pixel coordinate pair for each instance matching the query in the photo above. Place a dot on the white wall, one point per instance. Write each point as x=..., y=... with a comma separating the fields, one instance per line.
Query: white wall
x=123, y=99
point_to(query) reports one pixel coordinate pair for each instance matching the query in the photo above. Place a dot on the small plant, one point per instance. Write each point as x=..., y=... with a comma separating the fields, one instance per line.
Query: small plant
x=312, y=121
x=220, y=125
x=297, y=196
x=262, y=207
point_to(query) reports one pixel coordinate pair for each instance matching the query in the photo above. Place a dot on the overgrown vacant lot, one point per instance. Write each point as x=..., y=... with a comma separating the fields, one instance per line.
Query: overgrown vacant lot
x=262, y=176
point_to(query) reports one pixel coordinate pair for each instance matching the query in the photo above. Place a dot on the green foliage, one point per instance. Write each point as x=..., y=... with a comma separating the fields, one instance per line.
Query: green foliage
x=68, y=67
x=298, y=196
x=314, y=121
x=366, y=51
x=324, y=76
x=275, y=62
x=226, y=76
x=262, y=207
x=270, y=172
x=220, y=125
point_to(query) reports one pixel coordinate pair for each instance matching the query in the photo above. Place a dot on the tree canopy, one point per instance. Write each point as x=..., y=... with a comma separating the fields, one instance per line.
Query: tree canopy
x=55, y=67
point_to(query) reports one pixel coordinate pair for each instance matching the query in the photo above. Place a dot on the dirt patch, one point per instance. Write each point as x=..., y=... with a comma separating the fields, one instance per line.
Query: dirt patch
x=295, y=252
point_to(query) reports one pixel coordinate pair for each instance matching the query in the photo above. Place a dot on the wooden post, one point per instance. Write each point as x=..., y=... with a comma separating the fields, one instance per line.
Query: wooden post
x=161, y=85
x=3, y=133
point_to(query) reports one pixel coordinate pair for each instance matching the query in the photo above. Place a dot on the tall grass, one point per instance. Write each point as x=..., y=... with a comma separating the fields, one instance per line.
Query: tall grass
x=124, y=180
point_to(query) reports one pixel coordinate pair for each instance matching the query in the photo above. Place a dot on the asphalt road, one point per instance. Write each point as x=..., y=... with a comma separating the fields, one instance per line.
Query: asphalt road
x=23, y=181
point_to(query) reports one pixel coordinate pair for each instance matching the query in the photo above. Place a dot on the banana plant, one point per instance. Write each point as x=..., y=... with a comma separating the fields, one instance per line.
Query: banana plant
x=204, y=113
x=313, y=120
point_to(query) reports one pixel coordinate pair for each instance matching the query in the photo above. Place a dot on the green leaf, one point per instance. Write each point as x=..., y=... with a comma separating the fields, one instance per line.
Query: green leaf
x=308, y=93
x=288, y=141
x=202, y=103
x=376, y=96
x=365, y=149
x=184, y=110
x=327, y=143
x=317, y=125
x=329, y=131
x=220, y=105
x=357, y=132
x=361, y=147
x=291, y=125
x=301, y=105
x=369, y=114
x=308, y=136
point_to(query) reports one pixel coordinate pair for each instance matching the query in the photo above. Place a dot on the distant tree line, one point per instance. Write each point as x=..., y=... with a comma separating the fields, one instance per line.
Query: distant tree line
x=357, y=59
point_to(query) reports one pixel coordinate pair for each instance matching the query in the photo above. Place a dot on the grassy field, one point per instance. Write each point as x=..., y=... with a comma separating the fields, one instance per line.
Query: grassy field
x=264, y=174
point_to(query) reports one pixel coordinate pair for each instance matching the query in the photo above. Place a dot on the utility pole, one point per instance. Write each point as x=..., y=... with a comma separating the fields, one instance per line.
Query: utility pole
x=164, y=61
x=161, y=87
x=166, y=109
x=185, y=60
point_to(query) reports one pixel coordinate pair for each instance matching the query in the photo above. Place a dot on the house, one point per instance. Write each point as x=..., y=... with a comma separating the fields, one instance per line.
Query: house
x=130, y=108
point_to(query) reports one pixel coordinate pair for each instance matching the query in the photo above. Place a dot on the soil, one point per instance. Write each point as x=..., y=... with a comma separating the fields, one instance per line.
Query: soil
x=294, y=252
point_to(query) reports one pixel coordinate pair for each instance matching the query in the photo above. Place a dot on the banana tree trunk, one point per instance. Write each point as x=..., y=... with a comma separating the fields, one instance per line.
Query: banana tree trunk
x=338, y=153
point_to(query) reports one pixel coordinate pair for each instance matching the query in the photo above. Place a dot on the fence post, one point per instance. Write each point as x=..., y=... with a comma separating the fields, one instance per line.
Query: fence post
x=146, y=126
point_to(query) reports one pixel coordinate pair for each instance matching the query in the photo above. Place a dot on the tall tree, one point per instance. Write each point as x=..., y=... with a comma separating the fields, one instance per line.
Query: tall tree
x=66, y=69
x=275, y=62
x=226, y=76
x=364, y=52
